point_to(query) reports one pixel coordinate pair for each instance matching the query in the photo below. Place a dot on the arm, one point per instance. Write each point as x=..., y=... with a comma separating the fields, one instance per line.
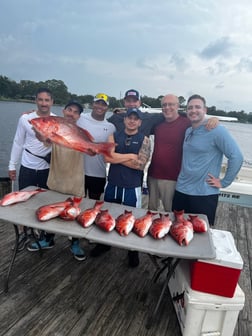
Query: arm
x=142, y=157
x=117, y=157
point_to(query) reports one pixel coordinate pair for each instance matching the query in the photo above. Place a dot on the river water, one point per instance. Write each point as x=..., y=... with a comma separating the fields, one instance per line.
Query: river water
x=11, y=111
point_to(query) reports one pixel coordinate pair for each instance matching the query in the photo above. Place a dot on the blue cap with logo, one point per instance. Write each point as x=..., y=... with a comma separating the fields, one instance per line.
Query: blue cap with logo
x=134, y=111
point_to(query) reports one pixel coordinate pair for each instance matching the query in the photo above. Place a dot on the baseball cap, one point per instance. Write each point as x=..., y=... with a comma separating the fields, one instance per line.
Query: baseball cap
x=74, y=102
x=103, y=97
x=134, y=110
x=132, y=93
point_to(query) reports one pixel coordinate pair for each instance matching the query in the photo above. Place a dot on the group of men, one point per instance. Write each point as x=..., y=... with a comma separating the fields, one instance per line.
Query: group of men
x=184, y=168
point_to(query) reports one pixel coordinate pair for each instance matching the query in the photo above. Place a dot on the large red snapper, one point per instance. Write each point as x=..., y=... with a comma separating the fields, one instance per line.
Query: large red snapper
x=182, y=233
x=19, y=196
x=87, y=217
x=68, y=134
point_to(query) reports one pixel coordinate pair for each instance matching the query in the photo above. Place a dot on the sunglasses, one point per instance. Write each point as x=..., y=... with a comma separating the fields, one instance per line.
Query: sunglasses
x=128, y=141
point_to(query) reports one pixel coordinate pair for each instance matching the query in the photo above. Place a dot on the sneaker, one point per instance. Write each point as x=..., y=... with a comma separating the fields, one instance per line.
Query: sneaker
x=133, y=259
x=77, y=251
x=99, y=249
x=44, y=245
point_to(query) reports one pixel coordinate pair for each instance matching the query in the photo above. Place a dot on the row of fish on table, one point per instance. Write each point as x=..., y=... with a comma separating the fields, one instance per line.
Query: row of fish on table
x=158, y=225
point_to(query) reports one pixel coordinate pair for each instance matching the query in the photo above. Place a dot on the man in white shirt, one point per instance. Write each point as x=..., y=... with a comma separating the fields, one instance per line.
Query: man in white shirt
x=100, y=129
x=29, y=151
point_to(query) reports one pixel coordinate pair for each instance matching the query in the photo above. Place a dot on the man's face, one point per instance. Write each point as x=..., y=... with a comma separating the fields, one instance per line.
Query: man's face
x=170, y=107
x=44, y=103
x=99, y=109
x=72, y=113
x=196, y=111
x=132, y=122
x=131, y=102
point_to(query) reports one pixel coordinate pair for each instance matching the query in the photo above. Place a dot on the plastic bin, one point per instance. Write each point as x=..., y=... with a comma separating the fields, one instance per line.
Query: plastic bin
x=220, y=275
x=201, y=314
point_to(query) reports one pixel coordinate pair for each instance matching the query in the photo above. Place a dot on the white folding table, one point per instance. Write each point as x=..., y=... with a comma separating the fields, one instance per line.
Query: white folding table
x=166, y=249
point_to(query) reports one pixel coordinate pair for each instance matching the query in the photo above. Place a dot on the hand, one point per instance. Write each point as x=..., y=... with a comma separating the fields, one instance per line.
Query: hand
x=12, y=175
x=214, y=181
x=212, y=123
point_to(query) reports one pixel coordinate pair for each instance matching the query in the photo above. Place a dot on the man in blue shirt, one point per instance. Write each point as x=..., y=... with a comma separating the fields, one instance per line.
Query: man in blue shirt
x=198, y=183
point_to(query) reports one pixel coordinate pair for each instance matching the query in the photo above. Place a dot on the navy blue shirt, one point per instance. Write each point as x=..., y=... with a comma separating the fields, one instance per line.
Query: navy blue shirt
x=120, y=175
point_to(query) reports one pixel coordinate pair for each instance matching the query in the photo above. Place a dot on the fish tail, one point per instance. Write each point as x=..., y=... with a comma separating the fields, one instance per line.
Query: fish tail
x=105, y=148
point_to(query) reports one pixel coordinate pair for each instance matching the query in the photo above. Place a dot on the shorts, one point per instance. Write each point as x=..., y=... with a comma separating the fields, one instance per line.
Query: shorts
x=94, y=185
x=205, y=205
x=126, y=196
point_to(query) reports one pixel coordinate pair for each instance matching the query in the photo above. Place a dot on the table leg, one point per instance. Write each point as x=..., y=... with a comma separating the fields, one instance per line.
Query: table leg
x=170, y=265
x=14, y=253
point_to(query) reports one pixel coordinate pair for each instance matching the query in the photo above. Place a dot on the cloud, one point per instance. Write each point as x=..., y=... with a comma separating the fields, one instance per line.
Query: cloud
x=245, y=64
x=220, y=47
x=220, y=85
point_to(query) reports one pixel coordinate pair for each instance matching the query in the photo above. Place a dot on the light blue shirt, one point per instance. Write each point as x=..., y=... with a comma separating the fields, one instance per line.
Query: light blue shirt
x=203, y=152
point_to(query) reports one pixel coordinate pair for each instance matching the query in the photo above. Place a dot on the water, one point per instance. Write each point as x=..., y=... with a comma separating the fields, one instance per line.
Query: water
x=11, y=111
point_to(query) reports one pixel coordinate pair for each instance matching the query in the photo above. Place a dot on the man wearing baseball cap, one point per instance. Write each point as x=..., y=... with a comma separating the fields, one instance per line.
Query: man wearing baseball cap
x=127, y=162
x=132, y=99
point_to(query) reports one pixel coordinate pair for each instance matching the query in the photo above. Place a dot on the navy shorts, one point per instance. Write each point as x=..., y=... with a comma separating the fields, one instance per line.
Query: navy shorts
x=205, y=205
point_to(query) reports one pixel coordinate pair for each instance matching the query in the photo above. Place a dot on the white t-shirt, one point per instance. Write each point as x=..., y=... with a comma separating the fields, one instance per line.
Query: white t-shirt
x=100, y=131
x=25, y=138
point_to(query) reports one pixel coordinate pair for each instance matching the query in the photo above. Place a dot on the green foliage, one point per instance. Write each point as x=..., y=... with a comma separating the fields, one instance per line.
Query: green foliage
x=26, y=89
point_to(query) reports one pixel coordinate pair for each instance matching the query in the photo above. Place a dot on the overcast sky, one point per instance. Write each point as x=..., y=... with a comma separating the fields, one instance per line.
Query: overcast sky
x=158, y=47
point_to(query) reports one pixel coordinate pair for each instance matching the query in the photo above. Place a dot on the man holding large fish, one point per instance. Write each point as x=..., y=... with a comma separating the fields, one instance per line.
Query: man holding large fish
x=125, y=176
x=34, y=168
x=66, y=176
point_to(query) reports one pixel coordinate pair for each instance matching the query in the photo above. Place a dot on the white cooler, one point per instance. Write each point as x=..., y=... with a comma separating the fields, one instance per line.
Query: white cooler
x=202, y=314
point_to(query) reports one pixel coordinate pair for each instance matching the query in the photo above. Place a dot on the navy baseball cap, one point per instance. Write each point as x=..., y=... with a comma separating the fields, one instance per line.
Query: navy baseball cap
x=132, y=93
x=135, y=111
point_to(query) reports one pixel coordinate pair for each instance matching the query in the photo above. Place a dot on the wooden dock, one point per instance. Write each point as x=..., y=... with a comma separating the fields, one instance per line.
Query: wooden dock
x=58, y=296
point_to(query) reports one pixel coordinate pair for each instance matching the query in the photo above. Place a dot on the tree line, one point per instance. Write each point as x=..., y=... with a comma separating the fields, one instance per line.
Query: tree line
x=25, y=89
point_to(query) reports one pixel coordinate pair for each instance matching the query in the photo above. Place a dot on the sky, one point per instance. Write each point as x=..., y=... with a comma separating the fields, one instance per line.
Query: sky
x=157, y=47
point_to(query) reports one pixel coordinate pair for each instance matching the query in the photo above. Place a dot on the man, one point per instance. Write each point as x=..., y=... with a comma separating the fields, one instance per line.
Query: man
x=198, y=183
x=26, y=146
x=167, y=153
x=66, y=175
x=149, y=120
x=100, y=129
x=125, y=176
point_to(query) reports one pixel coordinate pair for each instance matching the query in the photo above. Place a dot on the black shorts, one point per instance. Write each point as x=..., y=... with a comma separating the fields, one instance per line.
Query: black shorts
x=94, y=186
x=205, y=205
x=32, y=177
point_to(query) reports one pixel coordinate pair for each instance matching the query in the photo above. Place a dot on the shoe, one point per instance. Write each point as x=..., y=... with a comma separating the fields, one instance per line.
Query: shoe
x=77, y=251
x=99, y=249
x=44, y=245
x=133, y=259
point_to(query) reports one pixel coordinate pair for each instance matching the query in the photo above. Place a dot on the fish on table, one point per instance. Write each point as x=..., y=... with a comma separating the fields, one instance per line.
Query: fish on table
x=87, y=217
x=182, y=229
x=19, y=196
x=49, y=211
x=125, y=223
x=105, y=221
x=199, y=224
x=143, y=224
x=160, y=226
x=72, y=210
x=68, y=134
